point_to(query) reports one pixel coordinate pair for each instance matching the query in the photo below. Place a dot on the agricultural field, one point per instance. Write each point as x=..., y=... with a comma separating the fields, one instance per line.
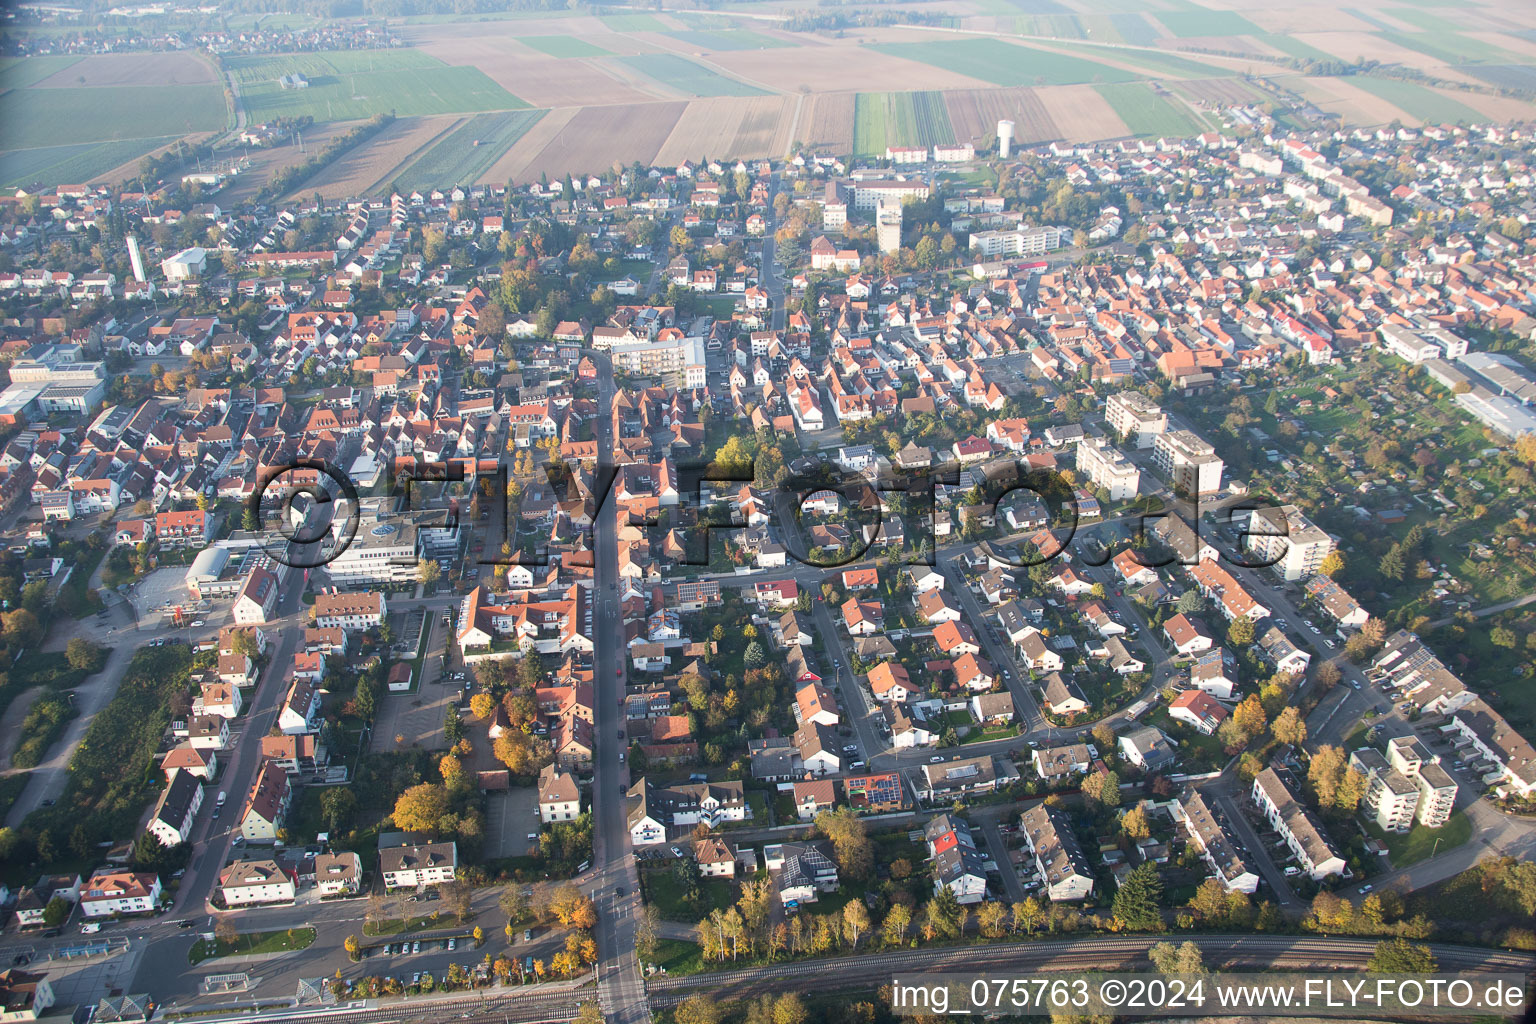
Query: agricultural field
x=1218, y=92
x=756, y=126
x=563, y=46
x=364, y=169
x=727, y=40
x=1146, y=113
x=119, y=70
x=826, y=122
x=1505, y=76
x=68, y=117
x=1447, y=47
x=900, y=119
x=1189, y=24
x=600, y=137
x=1134, y=29
x=869, y=131
x=59, y=164
x=687, y=77
x=634, y=23
x=20, y=72
x=974, y=113
x=1081, y=113
x=465, y=154
x=1001, y=63
x=354, y=85
x=1293, y=47
x=1416, y=100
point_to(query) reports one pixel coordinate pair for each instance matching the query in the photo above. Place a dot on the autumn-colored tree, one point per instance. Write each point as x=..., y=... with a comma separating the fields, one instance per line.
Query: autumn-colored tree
x=421, y=808
x=482, y=705
x=1290, y=727
x=1134, y=824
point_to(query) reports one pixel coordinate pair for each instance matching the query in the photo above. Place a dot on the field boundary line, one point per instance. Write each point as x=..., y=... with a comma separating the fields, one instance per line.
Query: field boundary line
x=794, y=124
x=416, y=153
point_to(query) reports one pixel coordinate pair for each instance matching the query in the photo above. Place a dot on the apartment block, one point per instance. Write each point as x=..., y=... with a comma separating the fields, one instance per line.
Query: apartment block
x=1135, y=417
x=1188, y=463
x=1107, y=467
x=1274, y=791
x=1290, y=541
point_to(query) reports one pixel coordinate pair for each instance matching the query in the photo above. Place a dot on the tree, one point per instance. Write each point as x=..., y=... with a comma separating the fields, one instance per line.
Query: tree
x=697, y=1009
x=1171, y=959
x=1327, y=674
x=897, y=920
x=82, y=655
x=1136, y=902
x=1104, y=736
x=1325, y=772
x=427, y=572
x=992, y=918
x=589, y=1013
x=482, y=706
x=855, y=921
x=352, y=946
x=336, y=806
x=1240, y=633
x=1134, y=825
x=1027, y=914
x=56, y=911
x=421, y=808
x=1333, y=564
x=1102, y=790
x=1290, y=727
x=789, y=1008
x=850, y=843
x=20, y=629
x=1399, y=956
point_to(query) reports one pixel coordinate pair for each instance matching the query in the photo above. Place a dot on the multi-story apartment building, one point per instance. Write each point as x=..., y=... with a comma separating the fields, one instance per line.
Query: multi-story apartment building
x=1274, y=792
x=1189, y=464
x=1437, y=789
x=1288, y=540
x=1059, y=857
x=1106, y=467
x=1390, y=796
x=1218, y=847
x=350, y=611
x=1135, y=417
x=415, y=866
x=1020, y=242
x=1511, y=754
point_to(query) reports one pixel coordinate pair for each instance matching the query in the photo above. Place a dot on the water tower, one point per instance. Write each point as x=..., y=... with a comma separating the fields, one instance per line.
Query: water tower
x=1004, y=138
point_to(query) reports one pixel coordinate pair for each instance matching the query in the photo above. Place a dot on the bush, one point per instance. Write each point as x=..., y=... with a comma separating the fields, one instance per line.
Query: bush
x=43, y=724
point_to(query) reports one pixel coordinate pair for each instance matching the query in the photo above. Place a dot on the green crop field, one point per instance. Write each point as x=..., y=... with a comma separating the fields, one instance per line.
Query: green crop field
x=1000, y=63
x=1147, y=113
x=1206, y=23
x=563, y=46
x=67, y=117
x=352, y=85
x=869, y=124
x=20, y=72
x=1448, y=47
x=686, y=76
x=60, y=165
x=726, y=40
x=1416, y=99
x=1293, y=46
x=456, y=159
x=899, y=119
x=1135, y=29
x=633, y=23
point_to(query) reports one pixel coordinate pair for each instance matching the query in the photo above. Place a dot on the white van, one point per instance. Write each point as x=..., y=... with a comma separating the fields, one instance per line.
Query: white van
x=90, y=927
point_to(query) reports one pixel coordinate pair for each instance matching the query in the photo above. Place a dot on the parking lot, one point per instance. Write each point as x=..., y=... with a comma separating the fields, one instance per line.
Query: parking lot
x=511, y=817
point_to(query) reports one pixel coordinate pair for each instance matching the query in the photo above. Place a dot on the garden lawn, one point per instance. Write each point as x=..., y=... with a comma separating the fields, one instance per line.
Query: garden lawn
x=252, y=943
x=1419, y=843
x=664, y=892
